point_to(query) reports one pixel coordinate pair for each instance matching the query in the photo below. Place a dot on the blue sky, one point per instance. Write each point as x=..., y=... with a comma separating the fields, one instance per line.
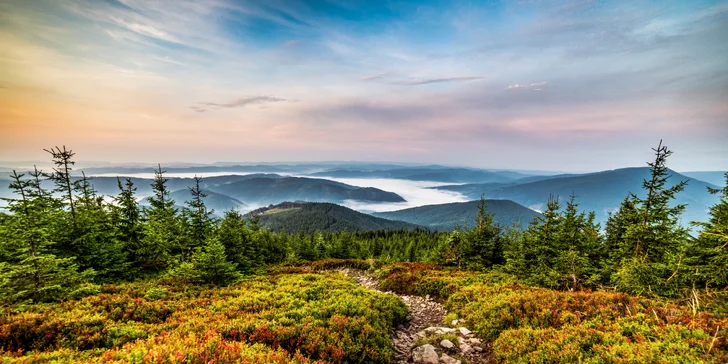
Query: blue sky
x=568, y=85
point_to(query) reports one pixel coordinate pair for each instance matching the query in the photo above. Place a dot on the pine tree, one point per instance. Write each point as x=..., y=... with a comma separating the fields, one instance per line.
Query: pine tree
x=212, y=265
x=61, y=176
x=710, y=255
x=94, y=240
x=541, y=245
x=453, y=249
x=198, y=220
x=483, y=248
x=31, y=271
x=127, y=219
x=320, y=246
x=653, y=234
x=162, y=229
x=235, y=236
x=579, y=247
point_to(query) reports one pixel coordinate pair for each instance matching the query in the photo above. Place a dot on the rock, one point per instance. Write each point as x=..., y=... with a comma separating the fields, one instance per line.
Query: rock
x=446, y=359
x=478, y=348
x=447, y=330
x=439, y=332
x=425, y=354
x=461, y=341
x=454, y=322
x=465, y=331
x=465, y=348
x=475, y=341
x=431, y=329
x=421, y=334
x=447, y=344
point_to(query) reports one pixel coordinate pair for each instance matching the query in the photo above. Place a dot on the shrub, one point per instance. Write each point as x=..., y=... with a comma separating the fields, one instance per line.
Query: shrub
x=156, y=294
x=281, y=318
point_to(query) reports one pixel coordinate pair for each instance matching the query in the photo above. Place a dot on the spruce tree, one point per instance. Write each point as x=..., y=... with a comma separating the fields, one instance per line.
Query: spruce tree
x=61, y=176
x=212, y=265
x=483, y=249
x=31, y=272
x=94, y=240
x=162, y=229
x=653, y=240
x=235, y=236
x=579, y=247
x=198, y=220
x=710, y=255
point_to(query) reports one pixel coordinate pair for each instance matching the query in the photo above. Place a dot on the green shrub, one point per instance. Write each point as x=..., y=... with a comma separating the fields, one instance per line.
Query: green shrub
x=156, y=294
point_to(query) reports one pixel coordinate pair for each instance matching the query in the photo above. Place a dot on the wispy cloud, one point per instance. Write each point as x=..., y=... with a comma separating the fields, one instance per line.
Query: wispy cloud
x=375, y=76
x=442, y=80
x=536, y=86
x=241, y=102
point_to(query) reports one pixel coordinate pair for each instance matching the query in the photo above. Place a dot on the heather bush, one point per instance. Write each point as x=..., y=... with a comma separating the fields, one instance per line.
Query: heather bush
x=278, y=318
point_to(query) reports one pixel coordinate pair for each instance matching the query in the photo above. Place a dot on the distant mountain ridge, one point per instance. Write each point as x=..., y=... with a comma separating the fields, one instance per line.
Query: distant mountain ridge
x=275, y=190
x=445, y=217
x=435, y=174
x=236, y=191
x=309, y=217
x=600, y=192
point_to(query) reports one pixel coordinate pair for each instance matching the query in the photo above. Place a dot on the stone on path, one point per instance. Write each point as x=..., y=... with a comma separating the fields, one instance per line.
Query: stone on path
x=446, y=359
x=425, y=354
x=447, y=344
x=465, y=331
x=466, y=349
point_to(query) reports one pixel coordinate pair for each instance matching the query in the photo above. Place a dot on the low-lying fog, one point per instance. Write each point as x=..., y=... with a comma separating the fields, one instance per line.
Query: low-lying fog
x=417, y=193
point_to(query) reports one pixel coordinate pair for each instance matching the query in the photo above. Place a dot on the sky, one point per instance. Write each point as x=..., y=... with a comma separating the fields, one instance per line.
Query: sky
x=550, y=85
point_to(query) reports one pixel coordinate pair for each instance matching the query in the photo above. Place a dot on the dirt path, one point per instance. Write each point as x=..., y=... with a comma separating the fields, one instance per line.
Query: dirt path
x=425, y=319
x=424, y=312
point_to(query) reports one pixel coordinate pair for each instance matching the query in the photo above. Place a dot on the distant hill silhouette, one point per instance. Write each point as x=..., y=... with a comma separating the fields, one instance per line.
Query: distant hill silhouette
x=275, y=190
x=308, y=217
x=434, y=173
x=601, y=192
x=447, y=216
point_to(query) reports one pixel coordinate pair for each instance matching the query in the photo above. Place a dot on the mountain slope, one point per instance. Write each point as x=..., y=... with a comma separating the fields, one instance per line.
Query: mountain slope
x=309, y=217
x=447, y=216
x=600, y=192
x=716, y=177
x=276, y=190
x=213, y=201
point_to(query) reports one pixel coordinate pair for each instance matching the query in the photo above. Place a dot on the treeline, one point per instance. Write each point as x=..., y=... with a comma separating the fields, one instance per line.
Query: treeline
x=53, y=241
x=643, y=249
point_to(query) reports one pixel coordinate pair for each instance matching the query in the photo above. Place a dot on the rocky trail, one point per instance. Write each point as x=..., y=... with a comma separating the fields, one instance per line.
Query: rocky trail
x=436, y=343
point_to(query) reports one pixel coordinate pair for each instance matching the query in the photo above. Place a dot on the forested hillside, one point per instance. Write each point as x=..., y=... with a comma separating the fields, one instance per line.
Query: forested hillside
x=311, y=217
x=214, y=201
x=446, y=217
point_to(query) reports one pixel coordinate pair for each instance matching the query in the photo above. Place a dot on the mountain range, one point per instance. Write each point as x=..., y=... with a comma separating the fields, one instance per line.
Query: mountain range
x=601, y=192
x=432, y=173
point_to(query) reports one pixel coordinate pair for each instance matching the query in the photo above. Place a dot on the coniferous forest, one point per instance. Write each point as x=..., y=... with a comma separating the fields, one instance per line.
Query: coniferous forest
x=85, y=277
